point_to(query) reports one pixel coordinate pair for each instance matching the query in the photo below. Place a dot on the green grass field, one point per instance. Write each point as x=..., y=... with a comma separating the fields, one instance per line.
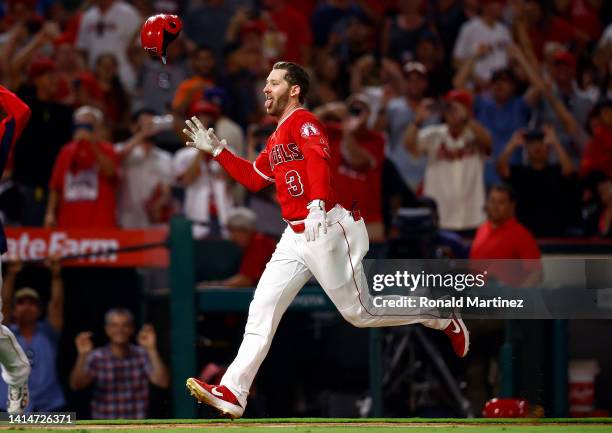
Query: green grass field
x=326, y=425
x=379, y=429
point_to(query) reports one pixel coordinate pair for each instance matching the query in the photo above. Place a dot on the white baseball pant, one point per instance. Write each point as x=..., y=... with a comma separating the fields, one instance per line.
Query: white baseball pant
x=14, y=362
x=334, y=259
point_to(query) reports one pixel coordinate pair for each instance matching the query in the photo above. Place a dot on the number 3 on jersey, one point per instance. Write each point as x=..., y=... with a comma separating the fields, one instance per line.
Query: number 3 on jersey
x=294, y=183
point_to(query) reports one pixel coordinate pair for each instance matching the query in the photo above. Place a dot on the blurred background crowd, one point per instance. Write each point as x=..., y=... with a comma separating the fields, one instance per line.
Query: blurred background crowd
x=493, y=117
x=440, y=99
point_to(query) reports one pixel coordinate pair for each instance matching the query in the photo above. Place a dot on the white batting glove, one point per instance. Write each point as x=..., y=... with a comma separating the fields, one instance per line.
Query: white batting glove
x=315, y=224
x=202, y=139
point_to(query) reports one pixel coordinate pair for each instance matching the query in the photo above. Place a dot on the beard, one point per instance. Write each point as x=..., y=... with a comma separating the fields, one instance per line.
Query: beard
x=278, y=107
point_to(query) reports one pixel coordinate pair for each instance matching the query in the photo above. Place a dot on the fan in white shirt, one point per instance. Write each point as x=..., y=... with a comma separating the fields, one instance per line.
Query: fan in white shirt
x=110, y=26
x=456, y=152
x=487, y=31
x=146, y=176
x=203, y=179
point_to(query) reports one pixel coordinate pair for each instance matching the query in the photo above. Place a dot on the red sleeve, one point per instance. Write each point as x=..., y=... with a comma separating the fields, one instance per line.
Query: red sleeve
x=312, y=139
x=15, y=108
x=109, y=150
x=528, y=251
x=261, y=165
x=334, y=130
x=244, y=171
x=17, y=115
x=256, y=256
x=475, y=248
x=375, y=146
x=528, y=247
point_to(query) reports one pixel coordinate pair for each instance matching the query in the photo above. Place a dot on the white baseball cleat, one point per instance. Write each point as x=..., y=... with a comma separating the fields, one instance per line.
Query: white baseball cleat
x=459, y=336
x=216, y=396
x=18, y=398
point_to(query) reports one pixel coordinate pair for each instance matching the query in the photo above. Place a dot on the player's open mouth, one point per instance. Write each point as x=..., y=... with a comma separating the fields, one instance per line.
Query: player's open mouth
x=268, y=102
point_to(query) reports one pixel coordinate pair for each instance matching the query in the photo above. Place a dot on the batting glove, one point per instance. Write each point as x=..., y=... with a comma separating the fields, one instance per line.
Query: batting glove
x=202, y=139
x=315, y=224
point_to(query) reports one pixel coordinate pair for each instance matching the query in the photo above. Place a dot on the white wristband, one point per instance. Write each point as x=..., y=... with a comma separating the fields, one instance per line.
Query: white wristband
x=316, y=203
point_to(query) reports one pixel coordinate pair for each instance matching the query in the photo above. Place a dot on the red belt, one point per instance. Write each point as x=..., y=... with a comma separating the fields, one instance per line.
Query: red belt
x=299, y=227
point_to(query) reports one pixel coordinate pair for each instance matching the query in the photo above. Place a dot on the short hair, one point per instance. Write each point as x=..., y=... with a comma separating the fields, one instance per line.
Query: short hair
x=504, y=187
x=119, y=311
x=295, y=76
x=88, y=109
x=241, y=218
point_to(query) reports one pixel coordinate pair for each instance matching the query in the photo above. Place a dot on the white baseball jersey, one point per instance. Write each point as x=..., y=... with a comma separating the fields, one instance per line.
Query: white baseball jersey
x=454, y=176
x=476, y=32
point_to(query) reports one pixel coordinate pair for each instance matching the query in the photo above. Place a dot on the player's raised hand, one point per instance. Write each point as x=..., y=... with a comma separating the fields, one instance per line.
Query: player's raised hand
x=202, y=139
x=315, y=224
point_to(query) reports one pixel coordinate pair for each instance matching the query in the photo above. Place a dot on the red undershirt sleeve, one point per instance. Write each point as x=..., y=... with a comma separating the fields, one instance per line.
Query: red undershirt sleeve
x=15, y=108
x=244, y=171
x=317, y=167
x=19, y=113
x=315, y=146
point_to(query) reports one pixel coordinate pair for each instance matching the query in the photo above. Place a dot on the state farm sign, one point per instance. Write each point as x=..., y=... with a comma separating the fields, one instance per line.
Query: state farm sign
x=37, y=244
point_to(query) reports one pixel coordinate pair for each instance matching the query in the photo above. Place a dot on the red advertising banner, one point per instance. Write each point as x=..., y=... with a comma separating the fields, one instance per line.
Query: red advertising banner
x=29, y=243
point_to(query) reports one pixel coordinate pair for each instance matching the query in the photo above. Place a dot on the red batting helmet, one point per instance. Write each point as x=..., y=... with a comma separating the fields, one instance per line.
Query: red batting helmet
x=506, y=408
x=158, y=31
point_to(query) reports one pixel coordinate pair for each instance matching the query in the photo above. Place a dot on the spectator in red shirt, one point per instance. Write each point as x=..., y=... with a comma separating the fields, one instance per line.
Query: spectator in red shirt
x=358, y=154
x=503, y=237
x=598, y=153
x=257, y=248
x=584, y=16
x=83, y=185
x=77, y=85
x=294, y=27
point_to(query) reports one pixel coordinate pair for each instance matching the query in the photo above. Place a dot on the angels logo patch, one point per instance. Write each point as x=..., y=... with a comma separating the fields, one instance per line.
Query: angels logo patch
x=308, y=130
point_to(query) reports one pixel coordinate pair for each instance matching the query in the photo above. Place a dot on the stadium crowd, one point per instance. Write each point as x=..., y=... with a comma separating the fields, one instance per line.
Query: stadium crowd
x=440, y=99
x=429, y=104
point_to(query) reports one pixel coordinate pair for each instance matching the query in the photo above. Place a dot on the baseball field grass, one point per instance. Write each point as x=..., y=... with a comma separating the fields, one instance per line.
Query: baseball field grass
x=335, y=425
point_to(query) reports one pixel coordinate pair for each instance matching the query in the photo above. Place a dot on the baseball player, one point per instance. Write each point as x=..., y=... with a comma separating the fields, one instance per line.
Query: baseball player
x=322, y=239
x=14, y=362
